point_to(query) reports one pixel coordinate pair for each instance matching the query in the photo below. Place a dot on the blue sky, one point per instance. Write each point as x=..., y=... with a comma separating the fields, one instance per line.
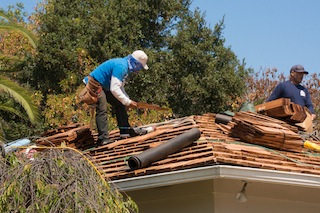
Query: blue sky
x=269, y=33
x=266, y=33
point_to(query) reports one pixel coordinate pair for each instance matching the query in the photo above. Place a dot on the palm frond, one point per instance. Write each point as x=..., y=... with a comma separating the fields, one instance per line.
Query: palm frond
x=12, y=110
x=21, y=96
x=14, y=27
x=4, y=15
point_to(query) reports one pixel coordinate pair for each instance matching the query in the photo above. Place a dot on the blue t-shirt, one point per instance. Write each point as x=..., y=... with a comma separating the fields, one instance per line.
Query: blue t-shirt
x=297, y=94
x=117, y=67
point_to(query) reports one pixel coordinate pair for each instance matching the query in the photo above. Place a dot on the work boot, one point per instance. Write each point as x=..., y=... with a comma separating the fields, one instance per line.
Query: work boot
x=127, y=133
x=140, y=131
x=144, y=130
x=137, y=131
x=132, y=132
x=103, y=142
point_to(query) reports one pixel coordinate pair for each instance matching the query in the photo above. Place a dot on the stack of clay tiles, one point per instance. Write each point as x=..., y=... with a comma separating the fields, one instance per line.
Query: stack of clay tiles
x=266, y=131
x=74, y=135
x=283, y=108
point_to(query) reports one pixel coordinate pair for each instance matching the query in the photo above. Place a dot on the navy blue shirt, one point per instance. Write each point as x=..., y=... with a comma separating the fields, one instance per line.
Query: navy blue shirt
x=297, y=94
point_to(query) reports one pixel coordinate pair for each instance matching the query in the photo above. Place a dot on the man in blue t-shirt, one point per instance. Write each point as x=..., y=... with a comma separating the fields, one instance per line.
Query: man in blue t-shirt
x=293, y=90
x=111, y=75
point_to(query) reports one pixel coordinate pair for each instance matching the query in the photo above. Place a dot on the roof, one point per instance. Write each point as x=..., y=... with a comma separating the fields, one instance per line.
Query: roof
x=216, y=146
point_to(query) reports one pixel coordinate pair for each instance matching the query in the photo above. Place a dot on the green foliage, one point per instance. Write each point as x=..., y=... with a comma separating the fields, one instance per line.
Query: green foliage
x=195, y=74
x=21, y=96
x=68, y=30
x=17, y=28
x=9, y=87
x=57, y=181
x=17, y=41
x=204, y=75
x=140, y=117
x=64, y=109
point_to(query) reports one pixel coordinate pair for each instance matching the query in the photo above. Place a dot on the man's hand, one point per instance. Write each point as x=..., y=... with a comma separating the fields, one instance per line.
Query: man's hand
x=313, y=116
x=133, y=104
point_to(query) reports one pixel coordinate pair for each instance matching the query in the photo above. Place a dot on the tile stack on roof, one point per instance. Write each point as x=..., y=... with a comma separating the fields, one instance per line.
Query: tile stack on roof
x=265, y=131
x=75, y=135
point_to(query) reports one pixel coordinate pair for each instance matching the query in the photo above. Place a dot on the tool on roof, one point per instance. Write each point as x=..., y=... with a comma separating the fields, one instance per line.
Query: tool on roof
x=311, y=145
x=151, y=106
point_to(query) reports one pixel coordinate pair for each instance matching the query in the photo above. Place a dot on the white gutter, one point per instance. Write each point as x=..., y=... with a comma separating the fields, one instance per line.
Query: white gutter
x=218, y=171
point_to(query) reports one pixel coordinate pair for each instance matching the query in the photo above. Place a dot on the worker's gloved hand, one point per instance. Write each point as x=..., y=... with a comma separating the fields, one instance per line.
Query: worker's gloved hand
x=133, y=104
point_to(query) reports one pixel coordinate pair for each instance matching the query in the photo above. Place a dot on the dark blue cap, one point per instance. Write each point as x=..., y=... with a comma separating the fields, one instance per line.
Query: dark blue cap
x=298, y=68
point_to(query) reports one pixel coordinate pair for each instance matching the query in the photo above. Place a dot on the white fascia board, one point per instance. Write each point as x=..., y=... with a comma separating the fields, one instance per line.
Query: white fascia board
x=218, y=171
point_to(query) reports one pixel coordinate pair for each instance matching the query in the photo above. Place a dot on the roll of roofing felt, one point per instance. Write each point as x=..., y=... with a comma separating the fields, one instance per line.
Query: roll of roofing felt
x=163, y=150
x=224, y=119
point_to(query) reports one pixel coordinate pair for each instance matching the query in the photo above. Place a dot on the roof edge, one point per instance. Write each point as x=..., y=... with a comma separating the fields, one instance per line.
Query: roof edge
x=217, y=171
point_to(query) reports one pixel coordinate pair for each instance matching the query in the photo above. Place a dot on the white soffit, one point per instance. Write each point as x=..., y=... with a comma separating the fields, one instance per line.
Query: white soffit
x=218, y=171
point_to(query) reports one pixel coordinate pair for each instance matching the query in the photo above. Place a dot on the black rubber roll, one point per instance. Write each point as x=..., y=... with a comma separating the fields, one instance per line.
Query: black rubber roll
x=163, y=150
x=221, y=118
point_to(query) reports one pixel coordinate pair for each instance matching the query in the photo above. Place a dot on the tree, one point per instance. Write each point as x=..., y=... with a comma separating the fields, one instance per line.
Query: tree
x=205, y=76
x=261, y=84
x=14, y=90
x=66, y=31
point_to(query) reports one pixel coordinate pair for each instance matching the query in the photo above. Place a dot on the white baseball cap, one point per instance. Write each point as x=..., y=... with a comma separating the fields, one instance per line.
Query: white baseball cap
x=141, y=57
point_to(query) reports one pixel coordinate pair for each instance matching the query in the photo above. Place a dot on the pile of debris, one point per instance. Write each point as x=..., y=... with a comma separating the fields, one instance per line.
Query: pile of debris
x=288, y=111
